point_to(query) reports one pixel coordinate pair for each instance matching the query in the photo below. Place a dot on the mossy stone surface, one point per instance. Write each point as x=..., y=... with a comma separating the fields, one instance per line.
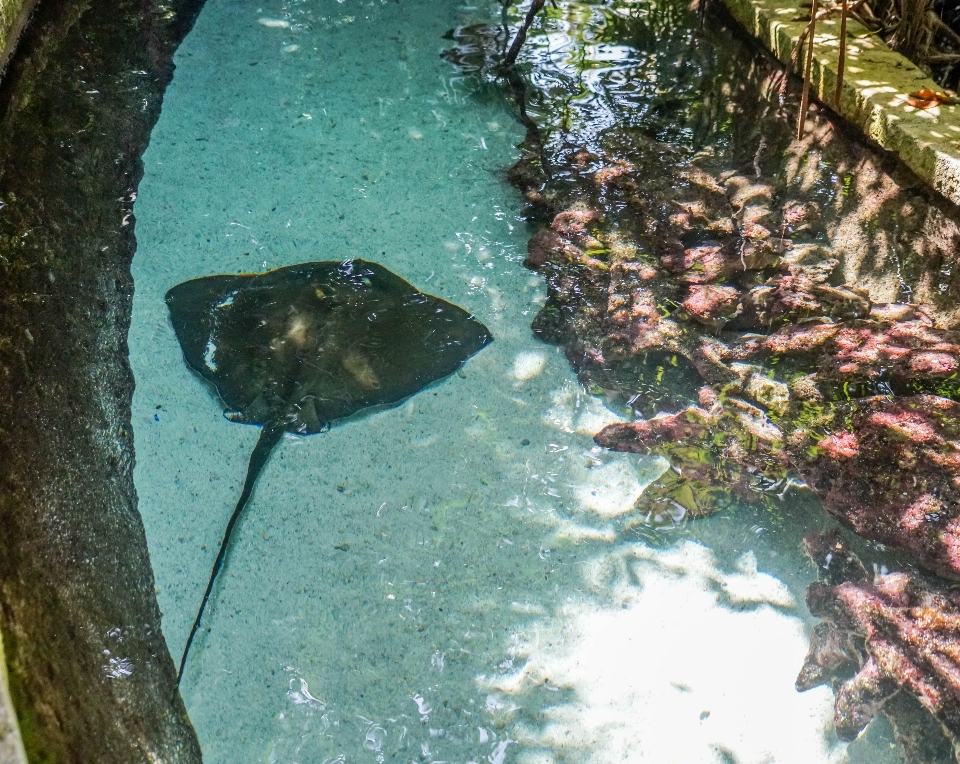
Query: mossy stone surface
x=875, y=92
x=11, y=746
x=89, y=673
x=13, y=18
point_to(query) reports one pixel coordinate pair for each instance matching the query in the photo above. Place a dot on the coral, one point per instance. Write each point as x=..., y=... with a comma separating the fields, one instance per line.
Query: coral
x=712, y=305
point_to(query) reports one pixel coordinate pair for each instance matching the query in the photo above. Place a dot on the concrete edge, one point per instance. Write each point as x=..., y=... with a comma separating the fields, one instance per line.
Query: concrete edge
x=875, y=88
x=11, y=744
x=14, y=15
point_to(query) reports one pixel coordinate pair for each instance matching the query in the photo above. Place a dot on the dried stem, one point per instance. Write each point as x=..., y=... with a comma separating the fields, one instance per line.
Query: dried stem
x=842, y=60
x=942, y=28
x=805, y=98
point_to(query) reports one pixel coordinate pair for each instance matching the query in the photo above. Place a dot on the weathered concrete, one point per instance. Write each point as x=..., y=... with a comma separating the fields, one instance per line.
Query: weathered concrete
x=13, y=19
x=11, y=746
x=875, y=88
x=89, y=673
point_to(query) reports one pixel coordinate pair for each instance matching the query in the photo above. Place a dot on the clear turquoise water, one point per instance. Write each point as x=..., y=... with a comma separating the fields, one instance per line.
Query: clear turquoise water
x=446, y=581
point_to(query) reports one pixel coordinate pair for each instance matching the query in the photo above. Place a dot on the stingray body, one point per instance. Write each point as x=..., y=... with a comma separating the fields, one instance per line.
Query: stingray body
x=299, y=348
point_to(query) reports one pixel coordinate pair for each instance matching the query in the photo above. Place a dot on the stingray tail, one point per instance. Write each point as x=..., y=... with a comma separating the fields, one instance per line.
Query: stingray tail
x=270, y=435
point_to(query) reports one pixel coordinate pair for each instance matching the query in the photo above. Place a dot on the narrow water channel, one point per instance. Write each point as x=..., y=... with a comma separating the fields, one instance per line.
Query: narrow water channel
x=447, y=580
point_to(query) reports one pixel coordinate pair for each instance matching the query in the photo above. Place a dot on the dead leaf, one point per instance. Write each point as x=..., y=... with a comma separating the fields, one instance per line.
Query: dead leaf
x=924, y=99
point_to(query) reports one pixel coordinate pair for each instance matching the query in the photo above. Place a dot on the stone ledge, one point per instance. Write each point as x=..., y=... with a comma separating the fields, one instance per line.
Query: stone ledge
x=13, y=18
x=875, y=88
x=11, y=746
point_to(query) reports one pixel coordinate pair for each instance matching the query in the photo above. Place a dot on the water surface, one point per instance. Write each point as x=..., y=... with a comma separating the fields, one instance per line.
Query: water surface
x=447, y=580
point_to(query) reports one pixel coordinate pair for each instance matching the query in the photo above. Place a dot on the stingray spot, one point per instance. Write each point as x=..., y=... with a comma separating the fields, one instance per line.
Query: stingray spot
x=299, y=330
x=208, y=355
x=362, y=372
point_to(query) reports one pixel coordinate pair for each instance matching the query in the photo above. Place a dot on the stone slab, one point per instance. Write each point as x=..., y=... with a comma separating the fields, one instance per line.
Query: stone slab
x=876, y=84
x=11, y=745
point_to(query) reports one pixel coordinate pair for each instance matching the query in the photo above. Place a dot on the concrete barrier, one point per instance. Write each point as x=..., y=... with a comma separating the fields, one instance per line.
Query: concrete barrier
x=88, y=668
x=13, y=18
x=11, y=745
x=876, y=86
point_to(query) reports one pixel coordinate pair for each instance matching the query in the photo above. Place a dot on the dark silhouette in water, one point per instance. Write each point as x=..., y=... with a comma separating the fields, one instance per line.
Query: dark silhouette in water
x=298, y=348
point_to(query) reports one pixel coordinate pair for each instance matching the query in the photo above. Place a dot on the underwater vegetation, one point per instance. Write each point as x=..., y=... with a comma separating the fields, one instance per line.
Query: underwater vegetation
x=771, y=312
x=299, y=348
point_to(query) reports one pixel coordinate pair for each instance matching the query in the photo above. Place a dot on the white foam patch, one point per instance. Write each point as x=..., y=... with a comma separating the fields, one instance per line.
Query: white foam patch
x=529, y=364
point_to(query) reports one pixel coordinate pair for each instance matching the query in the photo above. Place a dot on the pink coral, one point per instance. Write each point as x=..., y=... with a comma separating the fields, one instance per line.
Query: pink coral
x=572, y=223
x=900, y=487
x=712, y=305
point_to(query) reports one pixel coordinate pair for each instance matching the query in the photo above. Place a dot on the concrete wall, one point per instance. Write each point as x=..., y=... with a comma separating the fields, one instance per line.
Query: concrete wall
x=13, y=18
x=876, y=86
x=11, y=745
x=88, y=671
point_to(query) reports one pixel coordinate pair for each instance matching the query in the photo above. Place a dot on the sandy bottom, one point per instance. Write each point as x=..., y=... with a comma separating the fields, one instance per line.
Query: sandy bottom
x=448, y=580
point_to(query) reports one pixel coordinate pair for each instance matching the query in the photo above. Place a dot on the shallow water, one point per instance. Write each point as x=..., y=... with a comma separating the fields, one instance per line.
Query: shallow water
x=451, y=579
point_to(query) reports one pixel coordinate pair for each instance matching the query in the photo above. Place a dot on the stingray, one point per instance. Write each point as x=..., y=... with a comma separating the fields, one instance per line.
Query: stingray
x=301, y=348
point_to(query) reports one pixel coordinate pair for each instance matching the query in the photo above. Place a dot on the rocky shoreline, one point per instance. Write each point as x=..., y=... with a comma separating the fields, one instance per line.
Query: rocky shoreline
x=775, y=312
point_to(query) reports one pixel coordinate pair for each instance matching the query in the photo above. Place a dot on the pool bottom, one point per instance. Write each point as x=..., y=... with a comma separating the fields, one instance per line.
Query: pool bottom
x=454, y=579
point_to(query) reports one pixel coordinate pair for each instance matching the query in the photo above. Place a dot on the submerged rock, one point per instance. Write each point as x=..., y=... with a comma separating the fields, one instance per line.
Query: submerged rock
x=892, y=473
x=717, y=452
x=887, y=644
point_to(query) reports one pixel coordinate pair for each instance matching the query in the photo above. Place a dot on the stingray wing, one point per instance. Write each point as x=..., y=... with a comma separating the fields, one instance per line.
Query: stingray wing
x=316, y=342
x=391, y=341
x=220, y=341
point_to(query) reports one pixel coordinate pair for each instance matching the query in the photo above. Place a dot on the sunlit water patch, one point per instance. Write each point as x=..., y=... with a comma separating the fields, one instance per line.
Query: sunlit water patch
x=451, y=579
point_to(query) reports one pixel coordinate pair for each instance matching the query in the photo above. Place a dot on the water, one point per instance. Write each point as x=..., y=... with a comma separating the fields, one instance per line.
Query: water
x=452, y=580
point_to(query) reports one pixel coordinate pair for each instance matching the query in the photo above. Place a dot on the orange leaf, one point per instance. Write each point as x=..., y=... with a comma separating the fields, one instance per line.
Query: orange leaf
x=924, y=99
